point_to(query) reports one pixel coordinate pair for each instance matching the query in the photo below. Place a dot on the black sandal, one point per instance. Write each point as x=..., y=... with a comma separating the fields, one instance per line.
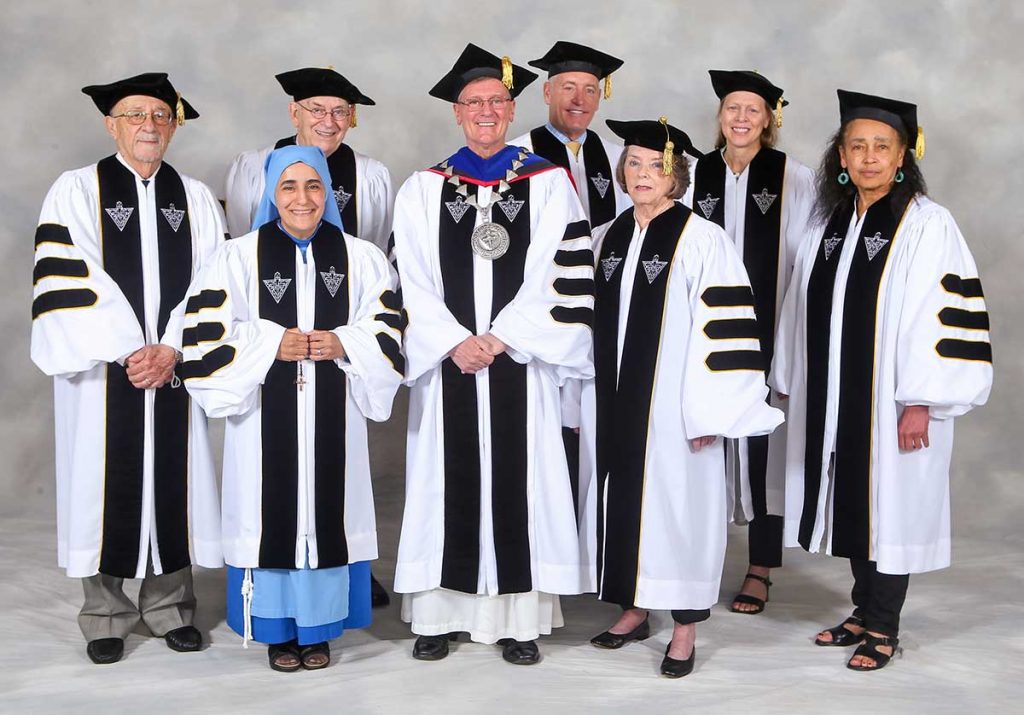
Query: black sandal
x=276, y=652
x=752, y=600
x=308, y=652
x=869, y=649
x=843, y=637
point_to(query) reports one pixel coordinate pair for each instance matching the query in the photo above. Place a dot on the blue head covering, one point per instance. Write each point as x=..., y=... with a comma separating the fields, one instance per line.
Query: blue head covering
x=276, y=163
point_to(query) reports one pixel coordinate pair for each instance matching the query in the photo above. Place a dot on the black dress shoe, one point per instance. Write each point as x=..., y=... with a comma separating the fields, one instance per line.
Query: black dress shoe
x=617, y=640
x=519, y=652
x=432, y=647
x=104, y=651
x=379, y=597
x=673, y=668
x=184, y=639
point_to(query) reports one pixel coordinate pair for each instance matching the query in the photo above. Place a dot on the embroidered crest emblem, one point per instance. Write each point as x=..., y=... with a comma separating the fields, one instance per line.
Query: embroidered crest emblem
x=510, y=207
x=764, y=200
x=457, y=208
x=120, y=215
x=341, y=198
x=831, y=243
x=173, y=216
x=653, y=268
x=332, y=280
x=874, y=244
x=277, y=286
x=609, y=264
x=707, y=206
x=601, y=184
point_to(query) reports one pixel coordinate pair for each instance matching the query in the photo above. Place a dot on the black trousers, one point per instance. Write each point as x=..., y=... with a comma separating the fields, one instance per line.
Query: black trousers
x=764, y=541
x=878, y=597
x=685, y=617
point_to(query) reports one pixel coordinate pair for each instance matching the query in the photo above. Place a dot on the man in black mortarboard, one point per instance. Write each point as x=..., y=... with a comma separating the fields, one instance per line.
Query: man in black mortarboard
x=322, y=110
x=117, y=245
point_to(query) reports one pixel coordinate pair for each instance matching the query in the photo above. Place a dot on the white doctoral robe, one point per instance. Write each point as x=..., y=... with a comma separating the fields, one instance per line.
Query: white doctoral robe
x=931, y=347
x=236, y=390
x=547, y=333
x=677, y=358
x=797, y=199
x=374, y=196
x=76, y=341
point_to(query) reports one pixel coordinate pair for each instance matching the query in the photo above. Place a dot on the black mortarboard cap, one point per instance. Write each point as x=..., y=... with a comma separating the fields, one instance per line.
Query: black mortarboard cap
x=901, y=116
x=149, y=84
x=570, y=57
x=653, y=134
x=726, y=81
x=320, y=82
x=476, y=63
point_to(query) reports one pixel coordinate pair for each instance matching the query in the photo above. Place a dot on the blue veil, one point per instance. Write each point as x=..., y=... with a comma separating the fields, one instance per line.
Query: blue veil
x=279, y=160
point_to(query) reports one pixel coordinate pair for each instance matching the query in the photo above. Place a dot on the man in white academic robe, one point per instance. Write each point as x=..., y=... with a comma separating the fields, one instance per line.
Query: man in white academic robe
x=322, y=110
x=494, y=257
x=117, y=245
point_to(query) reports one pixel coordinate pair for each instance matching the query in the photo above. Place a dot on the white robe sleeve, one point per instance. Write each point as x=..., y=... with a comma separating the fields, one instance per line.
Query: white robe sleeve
x=724, y=402
x=801, y=195
x=242, y=191
x=376, y=212
x=547, y=320
x=943, y=320
x=789, y=328
x=207, y=222
x=223, y=374
x=373, y=339
x=432, y=331
x=80, y=316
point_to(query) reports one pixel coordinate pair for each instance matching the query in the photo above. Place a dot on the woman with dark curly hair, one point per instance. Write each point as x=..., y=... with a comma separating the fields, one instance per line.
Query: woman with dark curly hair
x=883, y=341
x=763, y=198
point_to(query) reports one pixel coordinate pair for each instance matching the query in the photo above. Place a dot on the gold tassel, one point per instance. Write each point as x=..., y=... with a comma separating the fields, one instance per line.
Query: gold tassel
x=666, y=155
x=608, y=86
x=919, y=144
x=778, y=113
x=179, y=110
x=352, y=122
x=506, y=72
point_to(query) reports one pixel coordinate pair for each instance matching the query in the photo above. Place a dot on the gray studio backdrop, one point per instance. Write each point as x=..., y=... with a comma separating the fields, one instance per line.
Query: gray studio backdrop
x=960, y=61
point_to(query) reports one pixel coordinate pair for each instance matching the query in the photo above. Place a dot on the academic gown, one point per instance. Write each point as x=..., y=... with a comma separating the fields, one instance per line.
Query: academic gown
x=777, y=193
x=372, y=200
x=489, y=509
x=677, y=357
x=135, y=474
x=882, y=312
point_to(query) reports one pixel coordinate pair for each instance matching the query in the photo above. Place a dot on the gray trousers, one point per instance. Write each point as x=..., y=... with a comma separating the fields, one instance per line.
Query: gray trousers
x=166, y=602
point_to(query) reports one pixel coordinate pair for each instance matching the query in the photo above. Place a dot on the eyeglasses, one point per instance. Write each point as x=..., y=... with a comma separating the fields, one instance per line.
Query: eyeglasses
x=160, y=117
x=476, y=104
x=337, y=114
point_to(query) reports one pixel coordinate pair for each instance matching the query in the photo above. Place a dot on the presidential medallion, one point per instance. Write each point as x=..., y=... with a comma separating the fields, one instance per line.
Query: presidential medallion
x=490, y=241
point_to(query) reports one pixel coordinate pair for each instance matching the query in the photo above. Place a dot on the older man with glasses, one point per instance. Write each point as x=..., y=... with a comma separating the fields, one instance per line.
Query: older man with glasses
x=322, y=110
x=117, y=245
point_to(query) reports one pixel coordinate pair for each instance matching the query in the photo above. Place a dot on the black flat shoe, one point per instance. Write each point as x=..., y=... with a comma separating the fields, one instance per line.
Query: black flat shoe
x=617, y=640
x=308, y=655
x=185, y=639
x=842, y=637
x=519, y=652
x=284, y=657
x=757, y=603
x=104, y=651
x=672, y=668
x=379, y=597
x=869, y=649
x=432, y=647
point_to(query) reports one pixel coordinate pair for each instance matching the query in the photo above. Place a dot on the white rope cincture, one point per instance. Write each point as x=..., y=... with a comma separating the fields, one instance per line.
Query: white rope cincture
x=247, y=607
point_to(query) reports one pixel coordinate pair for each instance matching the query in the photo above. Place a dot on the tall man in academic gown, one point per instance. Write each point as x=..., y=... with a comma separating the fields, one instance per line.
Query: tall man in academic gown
x=494, y=257
x=117, y=245
x=322, y=110
x=573, y=95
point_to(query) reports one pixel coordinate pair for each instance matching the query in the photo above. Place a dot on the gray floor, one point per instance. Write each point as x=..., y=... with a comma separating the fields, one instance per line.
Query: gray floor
x=961, y=633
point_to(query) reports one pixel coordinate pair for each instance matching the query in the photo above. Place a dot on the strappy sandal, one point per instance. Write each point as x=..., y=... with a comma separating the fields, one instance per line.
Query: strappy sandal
x=308, y=655
x=842, y=637
x=279, y=653
x=746, y=599
x=869, y=649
